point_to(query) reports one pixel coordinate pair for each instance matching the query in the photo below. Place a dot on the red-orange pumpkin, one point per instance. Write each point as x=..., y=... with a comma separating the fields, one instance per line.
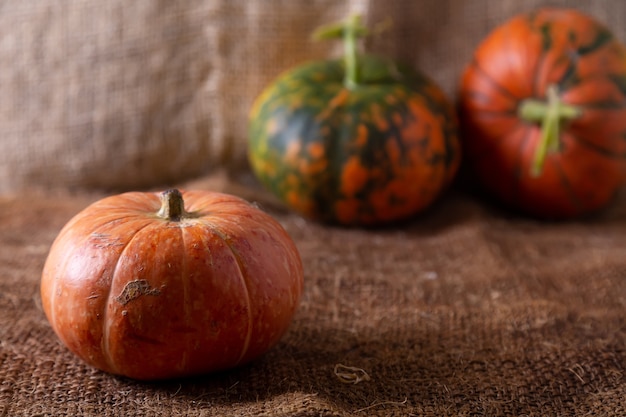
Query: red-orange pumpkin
x=543, y=113
x=150, y=286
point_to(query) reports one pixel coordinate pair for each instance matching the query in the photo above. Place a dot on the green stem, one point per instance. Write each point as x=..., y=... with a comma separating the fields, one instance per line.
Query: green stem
x=172, y=206
x=349, y=30
x=351, y=57
x=550, y=114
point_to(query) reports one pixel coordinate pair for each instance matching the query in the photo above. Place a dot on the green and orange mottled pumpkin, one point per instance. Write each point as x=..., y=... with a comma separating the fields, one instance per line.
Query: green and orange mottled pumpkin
x=355, y=141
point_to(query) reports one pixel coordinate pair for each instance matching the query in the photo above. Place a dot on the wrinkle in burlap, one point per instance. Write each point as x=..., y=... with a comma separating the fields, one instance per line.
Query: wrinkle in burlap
x=122, y=94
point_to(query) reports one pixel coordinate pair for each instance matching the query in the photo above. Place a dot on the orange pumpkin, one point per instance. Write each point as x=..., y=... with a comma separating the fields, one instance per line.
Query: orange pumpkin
x=543, y=114
x=139, y=285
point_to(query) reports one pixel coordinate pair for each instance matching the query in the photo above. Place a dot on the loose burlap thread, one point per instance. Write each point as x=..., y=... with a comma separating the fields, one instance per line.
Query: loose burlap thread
x=121, y=95
x=464, y=311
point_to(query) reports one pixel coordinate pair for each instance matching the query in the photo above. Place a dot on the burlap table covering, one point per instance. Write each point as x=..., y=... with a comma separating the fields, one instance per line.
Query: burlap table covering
x=465, y=311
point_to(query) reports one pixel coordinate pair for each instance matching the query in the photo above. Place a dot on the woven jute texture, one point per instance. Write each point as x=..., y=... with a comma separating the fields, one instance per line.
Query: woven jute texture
x=122, y=94
x=463, y=311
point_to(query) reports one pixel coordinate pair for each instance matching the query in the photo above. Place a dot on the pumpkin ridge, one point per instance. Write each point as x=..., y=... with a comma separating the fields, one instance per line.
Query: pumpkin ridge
x=394, y=133
x=479, y=98
x=546, y=38
x=605, y=106
x=78, y=219
x=332, y=144
x=599, y=149
x=487, y=155
x=603, y=37
x=546, y=46
x=338, y=101
x=60, y=238
x=620, y=81
x=570, y=77
x=184, y=280
x=106, y=352
x=496, y=113
x=497, y=86
x=326, y=71
x=115, y=219
x=569, y=190
x=131, y=204
x=240, y=267
x=518, y=168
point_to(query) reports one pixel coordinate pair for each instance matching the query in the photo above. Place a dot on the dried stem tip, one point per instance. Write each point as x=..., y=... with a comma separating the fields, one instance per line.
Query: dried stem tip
x=172, y=205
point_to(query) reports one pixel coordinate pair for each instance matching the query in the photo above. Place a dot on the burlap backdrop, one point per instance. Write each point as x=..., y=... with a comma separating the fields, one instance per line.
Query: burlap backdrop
x=121, y=94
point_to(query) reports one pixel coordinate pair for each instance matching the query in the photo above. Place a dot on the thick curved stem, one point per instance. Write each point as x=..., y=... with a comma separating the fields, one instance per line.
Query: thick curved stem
x=172, y=206
x=550, y=114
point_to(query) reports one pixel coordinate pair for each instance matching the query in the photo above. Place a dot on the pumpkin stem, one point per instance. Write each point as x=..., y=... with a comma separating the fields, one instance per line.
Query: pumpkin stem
x=550, y=113
x=172, y=205
x=350, y=30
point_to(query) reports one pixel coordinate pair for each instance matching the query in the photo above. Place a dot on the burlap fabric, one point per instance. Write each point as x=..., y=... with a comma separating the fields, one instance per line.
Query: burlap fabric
x=464, y=311
x=121, y=94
